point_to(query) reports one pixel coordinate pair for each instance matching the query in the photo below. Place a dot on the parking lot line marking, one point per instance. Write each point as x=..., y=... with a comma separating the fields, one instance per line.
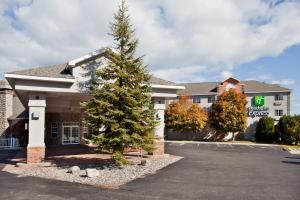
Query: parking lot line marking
x=251, y=146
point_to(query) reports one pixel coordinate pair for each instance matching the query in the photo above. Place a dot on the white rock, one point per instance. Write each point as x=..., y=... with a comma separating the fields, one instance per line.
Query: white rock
x=91, y=173
x=135, y=162
x=73, y=169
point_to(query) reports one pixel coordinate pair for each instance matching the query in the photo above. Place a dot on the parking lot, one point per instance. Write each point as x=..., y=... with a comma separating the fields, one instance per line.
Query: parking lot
x=207, y=171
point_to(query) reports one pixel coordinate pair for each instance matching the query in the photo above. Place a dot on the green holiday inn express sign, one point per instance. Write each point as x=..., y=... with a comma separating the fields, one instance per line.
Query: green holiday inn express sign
x=259, y=101
x=258, y=109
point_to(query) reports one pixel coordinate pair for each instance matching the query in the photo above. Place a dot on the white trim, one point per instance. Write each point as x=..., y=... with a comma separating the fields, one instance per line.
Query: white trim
x=73, y=62
x=168, y=86
x=286, y=91
x=39, y=78
x=44, y=89
x=163, y=95
x=203, y=94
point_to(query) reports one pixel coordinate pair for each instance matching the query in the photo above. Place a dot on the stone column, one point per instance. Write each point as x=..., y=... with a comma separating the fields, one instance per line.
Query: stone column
x=36, y=144
x=159, y=106
x=6, y=100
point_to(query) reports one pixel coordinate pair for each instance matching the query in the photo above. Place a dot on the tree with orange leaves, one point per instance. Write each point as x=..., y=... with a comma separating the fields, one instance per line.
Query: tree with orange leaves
x=228, y=113
x=185, y=115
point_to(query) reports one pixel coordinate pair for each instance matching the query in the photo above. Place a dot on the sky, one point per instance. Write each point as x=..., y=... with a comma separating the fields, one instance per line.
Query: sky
x=183, y=41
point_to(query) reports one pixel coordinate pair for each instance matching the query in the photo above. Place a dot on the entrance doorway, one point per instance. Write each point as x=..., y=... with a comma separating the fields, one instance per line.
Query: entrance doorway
x=71, y=133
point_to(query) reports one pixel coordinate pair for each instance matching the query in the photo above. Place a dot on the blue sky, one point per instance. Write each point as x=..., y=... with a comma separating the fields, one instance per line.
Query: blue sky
x=207, y=40
x=283, y=69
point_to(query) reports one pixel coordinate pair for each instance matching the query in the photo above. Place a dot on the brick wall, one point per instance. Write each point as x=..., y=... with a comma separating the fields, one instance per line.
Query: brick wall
x=6, y=101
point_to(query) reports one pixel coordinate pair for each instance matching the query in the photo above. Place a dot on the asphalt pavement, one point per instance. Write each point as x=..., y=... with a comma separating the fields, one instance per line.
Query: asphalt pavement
x=207, y=171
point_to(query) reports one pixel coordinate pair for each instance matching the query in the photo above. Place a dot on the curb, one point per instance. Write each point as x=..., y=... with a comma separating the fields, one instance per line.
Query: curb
x=222, y=143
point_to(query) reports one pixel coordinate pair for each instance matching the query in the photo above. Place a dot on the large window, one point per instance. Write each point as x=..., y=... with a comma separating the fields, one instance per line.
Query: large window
x=278, y=113
x=211, y=99
x=196, y=99
x=278, y=97
x=54, y=129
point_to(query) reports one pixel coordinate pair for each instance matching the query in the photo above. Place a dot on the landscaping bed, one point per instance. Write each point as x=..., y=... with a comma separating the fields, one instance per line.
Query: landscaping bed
x=107, y=174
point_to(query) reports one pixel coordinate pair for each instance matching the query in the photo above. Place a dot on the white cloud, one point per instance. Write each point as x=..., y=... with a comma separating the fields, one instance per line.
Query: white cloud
x=284, y=82
x=186, y=74
x=196, y=41
x=226, y=75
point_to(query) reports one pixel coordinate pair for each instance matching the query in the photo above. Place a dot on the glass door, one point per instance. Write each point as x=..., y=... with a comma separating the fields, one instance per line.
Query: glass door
x=71, y=133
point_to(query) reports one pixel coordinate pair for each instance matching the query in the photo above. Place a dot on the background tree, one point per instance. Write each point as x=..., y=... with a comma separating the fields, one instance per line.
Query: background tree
x=196, y=118
x=288, y=129
x=185, y=115
x=121, y=107
x=228, y=113
x=265, y=130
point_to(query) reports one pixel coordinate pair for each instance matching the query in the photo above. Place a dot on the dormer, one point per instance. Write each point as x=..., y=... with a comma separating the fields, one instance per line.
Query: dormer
x=230, y=83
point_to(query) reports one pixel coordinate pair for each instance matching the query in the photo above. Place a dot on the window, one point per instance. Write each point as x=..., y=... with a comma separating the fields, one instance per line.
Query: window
x=54, y=129
x=278, y=97
x=85, y=131
x=211, y=99
x=278, y=113
x=196, y=100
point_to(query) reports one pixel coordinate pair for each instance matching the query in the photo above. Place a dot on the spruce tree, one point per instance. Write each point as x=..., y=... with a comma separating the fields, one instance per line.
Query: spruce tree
x=121, y=110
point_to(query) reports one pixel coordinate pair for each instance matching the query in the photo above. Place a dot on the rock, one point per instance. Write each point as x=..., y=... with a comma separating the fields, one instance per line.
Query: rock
x=20, y=164
x=135, y=162
x=143, y=162
x=91, y=173
x=73, y=169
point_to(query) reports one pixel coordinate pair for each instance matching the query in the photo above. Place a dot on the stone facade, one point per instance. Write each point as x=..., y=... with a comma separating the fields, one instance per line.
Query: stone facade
x=35, y=154
x=159, y=147
x=6, y=110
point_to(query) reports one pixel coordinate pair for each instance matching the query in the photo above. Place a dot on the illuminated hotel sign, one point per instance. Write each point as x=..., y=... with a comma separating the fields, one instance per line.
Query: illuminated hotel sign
x=259, y=101
x=258, y=109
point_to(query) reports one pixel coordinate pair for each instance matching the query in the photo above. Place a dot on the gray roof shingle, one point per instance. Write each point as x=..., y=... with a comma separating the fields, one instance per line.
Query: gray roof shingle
x=54, y=71
x=210, y=88
x=159, y=81
x=61, y=71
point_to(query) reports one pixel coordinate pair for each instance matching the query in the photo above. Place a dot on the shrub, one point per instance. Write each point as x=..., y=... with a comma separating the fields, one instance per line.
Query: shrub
x=265, y=130
x=288, y=129
x=297, y=117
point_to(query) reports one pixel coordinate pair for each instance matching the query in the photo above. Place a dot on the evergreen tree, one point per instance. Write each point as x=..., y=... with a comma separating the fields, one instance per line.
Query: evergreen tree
x=265, y=130
x=121, y=109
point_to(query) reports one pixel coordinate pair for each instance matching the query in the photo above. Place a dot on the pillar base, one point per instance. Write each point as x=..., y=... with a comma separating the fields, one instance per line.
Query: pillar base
x=159, y=147
x=35, y=154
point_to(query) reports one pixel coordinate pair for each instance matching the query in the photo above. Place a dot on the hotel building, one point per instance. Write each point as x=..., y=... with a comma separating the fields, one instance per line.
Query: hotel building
x=263, y=99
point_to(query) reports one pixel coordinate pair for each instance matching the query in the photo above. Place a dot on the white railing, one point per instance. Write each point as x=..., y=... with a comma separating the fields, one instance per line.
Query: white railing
x=9, y=143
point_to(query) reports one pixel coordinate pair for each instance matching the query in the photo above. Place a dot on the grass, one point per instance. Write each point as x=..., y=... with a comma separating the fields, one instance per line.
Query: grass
x=293, y=147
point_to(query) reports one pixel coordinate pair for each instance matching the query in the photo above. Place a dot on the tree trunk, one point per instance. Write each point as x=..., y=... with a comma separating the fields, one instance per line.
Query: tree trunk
x=233, y=136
